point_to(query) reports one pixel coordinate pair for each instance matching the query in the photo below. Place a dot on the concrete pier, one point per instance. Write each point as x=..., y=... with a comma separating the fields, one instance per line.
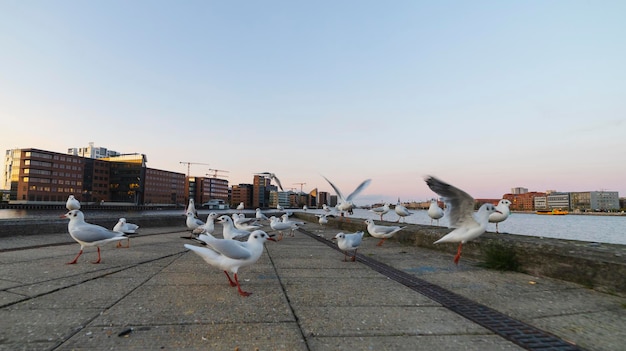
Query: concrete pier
x=157, y=295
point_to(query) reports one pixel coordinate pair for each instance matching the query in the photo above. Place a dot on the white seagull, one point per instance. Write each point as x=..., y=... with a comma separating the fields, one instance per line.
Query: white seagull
x=260, y=216
x=125, y=228
x=241, y=222
x=87, y=234
x=349, y=242
x=192, y=222
x=208, y=226
x=382, y=232
x=240, y=207
x=192, y=208
x=230, y=255
x=503, y=207
x=277, y=225
x=434, y=211
x=322, y=219
x=345, y=203
x=461, y=214
x=229, y=230
x=72, y=203
x=272, y=176
x=401, y=211
x=381, y=210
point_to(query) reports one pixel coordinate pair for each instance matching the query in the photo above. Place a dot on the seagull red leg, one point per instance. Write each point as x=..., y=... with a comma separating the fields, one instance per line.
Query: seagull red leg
x=380, y=243
x=354, y=256
x=241, y=292
x=457, y=257
x=98, y=260
x=232, y=283
x=76, y=258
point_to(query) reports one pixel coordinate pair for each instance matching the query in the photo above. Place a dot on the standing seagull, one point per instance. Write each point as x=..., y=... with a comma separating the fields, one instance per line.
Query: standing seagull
x=277, y=225
x=381, y=210
x=72, y=203
x=349, y=242
x=240, y=207
x=260, y=215
x=87, y=234
x=461, y=213
x=503, y=207
x=434, y=211
x=230, y=255
x=382, y=232
x=209, y=226
x=192, y=208
x=192, y=223
x=125, y=228
x=345, y=203
x=401, y=211
x=229, y=230
x=272, y=176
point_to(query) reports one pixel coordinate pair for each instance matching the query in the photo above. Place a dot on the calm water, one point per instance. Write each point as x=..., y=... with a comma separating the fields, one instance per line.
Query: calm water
x=604, y=229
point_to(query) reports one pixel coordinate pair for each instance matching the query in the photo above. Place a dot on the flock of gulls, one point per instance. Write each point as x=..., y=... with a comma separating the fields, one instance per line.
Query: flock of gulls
x=243, y=240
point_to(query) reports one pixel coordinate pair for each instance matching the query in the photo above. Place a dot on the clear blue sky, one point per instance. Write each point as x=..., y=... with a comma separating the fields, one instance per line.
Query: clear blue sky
x=486, y=95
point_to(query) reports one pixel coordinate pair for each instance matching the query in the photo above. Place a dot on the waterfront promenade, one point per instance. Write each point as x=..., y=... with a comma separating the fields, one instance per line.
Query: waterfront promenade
x=157, y=295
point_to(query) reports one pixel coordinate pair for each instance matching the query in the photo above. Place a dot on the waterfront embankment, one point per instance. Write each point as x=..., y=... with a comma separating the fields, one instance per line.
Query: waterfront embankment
x=594, y=265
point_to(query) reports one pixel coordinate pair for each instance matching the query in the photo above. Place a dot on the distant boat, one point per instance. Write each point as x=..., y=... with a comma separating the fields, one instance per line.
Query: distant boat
x=552, y=212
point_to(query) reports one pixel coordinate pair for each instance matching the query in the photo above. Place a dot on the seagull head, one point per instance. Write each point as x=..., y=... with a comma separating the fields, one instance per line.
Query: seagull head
x=259, y=235
x=73, y=214
x=339, y=236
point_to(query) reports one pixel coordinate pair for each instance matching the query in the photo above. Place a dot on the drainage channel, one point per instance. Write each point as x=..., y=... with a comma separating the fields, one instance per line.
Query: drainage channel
x=520, y=333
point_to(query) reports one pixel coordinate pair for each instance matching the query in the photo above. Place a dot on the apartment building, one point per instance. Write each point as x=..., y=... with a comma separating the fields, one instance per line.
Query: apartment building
x=35, y=175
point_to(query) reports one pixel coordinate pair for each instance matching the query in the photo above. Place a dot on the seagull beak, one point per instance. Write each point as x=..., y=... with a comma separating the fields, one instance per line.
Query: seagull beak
x=62, y=216
x=498, y=212
x=333, y=239
x=271, y=237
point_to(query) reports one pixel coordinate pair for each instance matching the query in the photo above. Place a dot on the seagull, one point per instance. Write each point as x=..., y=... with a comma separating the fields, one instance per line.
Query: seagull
x=192, y=208
x=229, y=230
x=503, y=207
x=272, y=176
x=87, y=234
x=381, y=210
x=259, y=215
x=349, y=242
x=280, y=208
x=304, y=208
x=279, y=226
x=382, y=232
x=241, y=222
x=230, y=255
x=323, y=219
x=461, y=212
x=192, y=222
x=285, y=219
x=326, y=208
x=402, y=212
x=209, y=226
x=72, y=203
x=345, y=203
x=240, y=207
x=434, y=211
x=125, y=228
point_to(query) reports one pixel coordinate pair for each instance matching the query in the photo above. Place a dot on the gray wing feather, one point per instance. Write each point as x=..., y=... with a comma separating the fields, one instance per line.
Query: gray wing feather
x=460, y=205
x=230, y=248
x=95, y=233
x=359, y=189
x=335, y=188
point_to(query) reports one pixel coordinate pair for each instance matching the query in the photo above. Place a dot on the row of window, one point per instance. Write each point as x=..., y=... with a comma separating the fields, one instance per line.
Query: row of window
x=51, y=189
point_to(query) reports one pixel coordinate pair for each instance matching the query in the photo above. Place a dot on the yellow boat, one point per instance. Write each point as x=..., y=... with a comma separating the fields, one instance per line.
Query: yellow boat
x=551, y=212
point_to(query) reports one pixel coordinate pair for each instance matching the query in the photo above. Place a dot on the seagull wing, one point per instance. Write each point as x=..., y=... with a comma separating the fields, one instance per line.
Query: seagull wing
x=460, y=204
x=359, y=189
x=277, y=182
x=230, y=248
x=335, y=188
x=94, y=233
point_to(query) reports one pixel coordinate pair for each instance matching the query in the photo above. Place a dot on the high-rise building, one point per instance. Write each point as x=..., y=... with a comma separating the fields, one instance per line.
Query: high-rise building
x=92, y=151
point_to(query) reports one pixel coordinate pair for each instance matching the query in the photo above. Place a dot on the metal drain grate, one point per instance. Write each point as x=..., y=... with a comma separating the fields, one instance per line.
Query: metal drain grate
x=518, y=332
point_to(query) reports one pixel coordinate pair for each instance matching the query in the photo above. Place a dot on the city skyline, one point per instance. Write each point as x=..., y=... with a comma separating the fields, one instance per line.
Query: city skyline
x=485, y=96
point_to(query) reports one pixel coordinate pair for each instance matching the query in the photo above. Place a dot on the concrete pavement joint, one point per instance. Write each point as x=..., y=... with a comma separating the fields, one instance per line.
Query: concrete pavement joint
x=518, y=332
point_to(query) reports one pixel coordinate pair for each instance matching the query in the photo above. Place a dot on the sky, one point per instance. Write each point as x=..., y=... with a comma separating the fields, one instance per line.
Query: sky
x=485, y=95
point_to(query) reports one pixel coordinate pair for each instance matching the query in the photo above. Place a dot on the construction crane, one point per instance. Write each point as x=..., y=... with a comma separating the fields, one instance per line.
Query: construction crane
x=215, y=171
x=301, y=184
x=191, y=163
